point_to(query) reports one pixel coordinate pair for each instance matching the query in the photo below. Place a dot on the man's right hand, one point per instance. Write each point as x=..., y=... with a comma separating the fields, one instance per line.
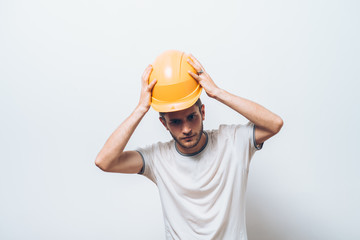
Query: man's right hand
x=146, y=89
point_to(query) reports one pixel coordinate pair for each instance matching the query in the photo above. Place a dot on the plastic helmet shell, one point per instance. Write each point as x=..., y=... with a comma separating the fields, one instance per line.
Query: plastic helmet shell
x=175, y=88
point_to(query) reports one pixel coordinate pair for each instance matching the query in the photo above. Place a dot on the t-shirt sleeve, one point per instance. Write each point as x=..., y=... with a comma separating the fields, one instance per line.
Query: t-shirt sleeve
x=248, y=131
x=256, y=146
x=147, y=154
x=241, y=138
x=242, y=132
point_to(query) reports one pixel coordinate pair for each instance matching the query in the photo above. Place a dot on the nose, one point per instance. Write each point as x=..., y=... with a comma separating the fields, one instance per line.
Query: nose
x=186, y=129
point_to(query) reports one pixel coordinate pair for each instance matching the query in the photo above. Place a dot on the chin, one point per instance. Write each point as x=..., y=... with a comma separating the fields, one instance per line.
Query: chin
x=188, y=145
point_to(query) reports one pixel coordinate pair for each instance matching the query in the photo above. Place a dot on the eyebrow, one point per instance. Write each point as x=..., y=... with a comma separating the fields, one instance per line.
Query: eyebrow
x=175, y=119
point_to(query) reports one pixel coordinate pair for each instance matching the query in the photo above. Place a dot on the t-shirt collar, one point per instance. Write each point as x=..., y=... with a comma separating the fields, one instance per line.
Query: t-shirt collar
x=193, y=154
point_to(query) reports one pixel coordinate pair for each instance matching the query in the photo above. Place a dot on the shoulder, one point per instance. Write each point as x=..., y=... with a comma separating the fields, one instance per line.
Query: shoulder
x=156, y=147
x=237, y=133
x=153, y=154
x=231, y=129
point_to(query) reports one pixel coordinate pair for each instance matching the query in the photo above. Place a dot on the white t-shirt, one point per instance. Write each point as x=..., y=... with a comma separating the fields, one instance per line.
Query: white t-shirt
x=203, y=194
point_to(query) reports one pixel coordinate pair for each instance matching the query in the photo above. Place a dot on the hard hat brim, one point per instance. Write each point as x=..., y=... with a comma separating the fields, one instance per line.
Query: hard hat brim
x=181, y=104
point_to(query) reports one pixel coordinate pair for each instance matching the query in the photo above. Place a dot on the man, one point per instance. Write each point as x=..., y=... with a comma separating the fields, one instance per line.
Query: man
x=201, y=175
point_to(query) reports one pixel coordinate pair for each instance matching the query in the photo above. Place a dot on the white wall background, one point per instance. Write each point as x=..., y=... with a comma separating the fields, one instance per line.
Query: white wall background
x=70, y=74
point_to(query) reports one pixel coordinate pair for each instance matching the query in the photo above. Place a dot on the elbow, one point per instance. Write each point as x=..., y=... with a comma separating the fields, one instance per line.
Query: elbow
x=100, y=164
x=278, y=125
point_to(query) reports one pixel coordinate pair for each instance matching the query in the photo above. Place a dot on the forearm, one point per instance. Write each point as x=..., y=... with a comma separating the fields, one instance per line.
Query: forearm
x=116, y=143
x=254, y=112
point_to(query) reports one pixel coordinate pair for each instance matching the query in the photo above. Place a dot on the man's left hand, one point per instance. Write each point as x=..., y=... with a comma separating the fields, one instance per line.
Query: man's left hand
x=202, y=77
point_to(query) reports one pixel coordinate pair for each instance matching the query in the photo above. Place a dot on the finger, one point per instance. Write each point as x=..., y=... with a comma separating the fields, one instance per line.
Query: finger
x=152, y=84
x=196, y=61
x=197, y=68
x=148, y=68
x=195, y=76
x=146, y=74
x=191, y=62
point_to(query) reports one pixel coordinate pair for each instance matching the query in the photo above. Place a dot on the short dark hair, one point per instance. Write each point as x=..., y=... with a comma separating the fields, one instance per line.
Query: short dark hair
x=198, y=103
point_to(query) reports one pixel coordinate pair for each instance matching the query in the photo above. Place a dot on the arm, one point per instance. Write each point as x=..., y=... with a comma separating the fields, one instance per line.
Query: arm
x=267, y=123
x=112, y=157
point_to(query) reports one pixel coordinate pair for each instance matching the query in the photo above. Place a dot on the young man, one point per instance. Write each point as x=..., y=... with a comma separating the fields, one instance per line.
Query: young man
x=201, y=175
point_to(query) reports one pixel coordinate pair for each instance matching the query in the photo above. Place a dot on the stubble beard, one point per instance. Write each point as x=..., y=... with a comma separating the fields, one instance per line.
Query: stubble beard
x=197, y=140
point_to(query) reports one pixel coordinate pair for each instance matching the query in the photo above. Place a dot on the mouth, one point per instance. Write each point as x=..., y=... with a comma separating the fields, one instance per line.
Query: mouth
x=188, y=138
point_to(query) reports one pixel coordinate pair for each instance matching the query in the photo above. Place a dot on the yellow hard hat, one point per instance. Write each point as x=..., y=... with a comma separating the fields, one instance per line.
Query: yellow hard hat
x=175, y=89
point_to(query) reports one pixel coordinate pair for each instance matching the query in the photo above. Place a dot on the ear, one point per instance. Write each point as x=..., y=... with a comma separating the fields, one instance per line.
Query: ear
x=163, y=121
x=203, y=112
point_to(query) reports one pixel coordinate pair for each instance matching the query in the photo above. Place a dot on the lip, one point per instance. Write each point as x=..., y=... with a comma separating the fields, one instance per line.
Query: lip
x=188, y=138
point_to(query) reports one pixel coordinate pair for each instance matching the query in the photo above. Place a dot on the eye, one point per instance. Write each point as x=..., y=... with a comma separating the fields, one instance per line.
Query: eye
x=191, y=117
x=175, y=122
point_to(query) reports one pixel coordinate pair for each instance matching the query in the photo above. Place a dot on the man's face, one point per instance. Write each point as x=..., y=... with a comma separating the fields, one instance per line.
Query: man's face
x=186, y=127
